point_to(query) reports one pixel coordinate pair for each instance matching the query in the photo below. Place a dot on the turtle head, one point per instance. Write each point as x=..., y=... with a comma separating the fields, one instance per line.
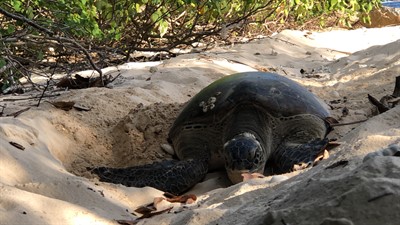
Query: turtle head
x=243, y=154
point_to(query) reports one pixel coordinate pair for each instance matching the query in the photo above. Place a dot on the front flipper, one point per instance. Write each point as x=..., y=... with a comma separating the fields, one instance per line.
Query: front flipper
x=170, y=175
x=288, y=156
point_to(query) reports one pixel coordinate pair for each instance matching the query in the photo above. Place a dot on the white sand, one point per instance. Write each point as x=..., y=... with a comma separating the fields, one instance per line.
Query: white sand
x=47, y=183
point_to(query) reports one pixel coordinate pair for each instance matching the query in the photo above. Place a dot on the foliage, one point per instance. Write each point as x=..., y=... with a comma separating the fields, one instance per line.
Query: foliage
x=124, y=26
x=348, y=9
x=112, y=19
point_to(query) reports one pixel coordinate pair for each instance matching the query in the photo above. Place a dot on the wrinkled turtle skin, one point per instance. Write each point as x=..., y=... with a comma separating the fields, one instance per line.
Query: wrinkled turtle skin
x=246, y=122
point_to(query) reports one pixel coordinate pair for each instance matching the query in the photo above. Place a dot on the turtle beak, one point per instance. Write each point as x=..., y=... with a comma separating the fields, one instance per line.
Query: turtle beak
x=236, y=175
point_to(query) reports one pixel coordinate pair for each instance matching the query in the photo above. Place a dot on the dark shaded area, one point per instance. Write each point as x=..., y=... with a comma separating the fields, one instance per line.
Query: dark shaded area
x=79, y=82
x=388, y=101
x=341, y=163
x=396, y=91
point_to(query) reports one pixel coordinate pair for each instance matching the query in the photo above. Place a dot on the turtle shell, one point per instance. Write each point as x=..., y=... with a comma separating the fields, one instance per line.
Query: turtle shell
x=278, y=95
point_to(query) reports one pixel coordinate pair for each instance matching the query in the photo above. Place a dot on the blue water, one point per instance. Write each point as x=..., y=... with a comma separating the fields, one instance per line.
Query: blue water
x=394, y=4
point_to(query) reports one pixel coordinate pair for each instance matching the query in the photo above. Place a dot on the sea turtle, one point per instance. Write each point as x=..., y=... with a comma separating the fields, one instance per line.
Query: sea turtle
x=246, y=122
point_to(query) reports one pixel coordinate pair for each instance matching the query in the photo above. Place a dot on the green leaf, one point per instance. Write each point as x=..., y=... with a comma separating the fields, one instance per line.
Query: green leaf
x=156, y=15
x=10, y=29
x=2, y=63
x=16, y=5
x=40, y=55
x=138, y=8
x=286, y=11
x=118, y=36
x=163, y=27
x=370, y=6
x=333, y=4
x=29, y=12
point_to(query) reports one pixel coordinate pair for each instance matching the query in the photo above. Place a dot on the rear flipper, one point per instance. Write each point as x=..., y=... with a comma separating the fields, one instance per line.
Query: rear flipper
x=290, y=157
x=170, y=175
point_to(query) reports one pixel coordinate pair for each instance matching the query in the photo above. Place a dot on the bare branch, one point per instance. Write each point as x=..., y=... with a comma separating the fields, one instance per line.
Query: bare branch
x=52, y=35
x=26, y=20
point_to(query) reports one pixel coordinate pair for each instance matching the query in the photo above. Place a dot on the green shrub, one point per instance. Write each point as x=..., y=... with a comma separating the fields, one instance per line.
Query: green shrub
x=125, y=26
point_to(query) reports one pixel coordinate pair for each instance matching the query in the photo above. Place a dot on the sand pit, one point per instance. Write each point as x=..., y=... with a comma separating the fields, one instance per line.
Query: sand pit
x=48, y=182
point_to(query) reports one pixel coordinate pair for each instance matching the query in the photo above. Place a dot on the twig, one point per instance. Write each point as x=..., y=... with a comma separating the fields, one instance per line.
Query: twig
x=44, y=90
x=342, y=163
x=379, y=196
x=19, y=112
x=2, y=109
x=114, y=78
x=26, y=20
x=28, y=98
x=349, y=123
x=7, y=66
x=52, y=36
x=381, y=107
x=90, y=59
x=59, y=39
x=396, y=91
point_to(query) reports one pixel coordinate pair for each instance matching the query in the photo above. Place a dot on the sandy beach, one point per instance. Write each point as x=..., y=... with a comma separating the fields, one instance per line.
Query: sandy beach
x=47, y=182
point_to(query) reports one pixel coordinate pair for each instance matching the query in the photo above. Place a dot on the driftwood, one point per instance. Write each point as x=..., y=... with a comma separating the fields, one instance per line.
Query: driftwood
x=388, y=101
x=28, y=98
x=15, y=114
x=79, y=82
x=381, y=107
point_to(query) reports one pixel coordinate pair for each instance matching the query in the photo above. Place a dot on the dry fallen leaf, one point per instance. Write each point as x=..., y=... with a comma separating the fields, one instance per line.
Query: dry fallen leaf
x=157, y=200
x=342, y=163
x=145, y=209
x=17, y=145
x=324, y=155
x=149, y=212
x=300, y=166
x=250, y=176
x=128, y=222
x=81, y=107
x=181, y=199
x=63, y=105
x=160, y=202
x=332, y=144
x=156, y=213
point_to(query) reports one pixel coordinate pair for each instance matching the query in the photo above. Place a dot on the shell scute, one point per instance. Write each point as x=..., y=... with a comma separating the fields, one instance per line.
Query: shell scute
x=278, y=95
